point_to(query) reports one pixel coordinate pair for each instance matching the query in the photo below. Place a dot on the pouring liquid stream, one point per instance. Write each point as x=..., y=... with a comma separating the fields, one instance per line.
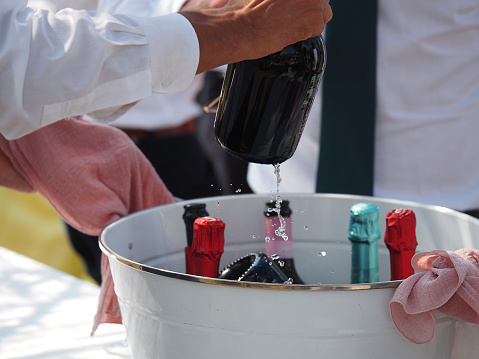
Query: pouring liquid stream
x=281, y=231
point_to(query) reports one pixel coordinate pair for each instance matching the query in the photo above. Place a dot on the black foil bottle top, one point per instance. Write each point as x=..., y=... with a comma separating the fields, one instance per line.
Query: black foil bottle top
x=192, y=211
x=285, y=211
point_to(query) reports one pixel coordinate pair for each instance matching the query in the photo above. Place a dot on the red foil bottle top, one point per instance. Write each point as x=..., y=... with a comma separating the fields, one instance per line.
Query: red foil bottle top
x=400, y=238
x=208, y=246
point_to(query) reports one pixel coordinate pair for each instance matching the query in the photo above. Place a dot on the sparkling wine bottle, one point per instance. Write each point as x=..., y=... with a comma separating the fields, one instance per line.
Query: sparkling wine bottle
x=208, y=246
x=192, y=211
x=279, y=246
x=400, y=238
x=364, y=232
x=265, y=103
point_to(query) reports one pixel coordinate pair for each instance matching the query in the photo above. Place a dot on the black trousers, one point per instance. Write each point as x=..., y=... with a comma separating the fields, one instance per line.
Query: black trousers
x=230, y=172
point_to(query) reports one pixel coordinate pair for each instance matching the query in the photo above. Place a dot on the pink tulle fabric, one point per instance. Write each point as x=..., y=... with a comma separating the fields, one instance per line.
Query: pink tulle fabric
x=92, y=175
x=447, y=281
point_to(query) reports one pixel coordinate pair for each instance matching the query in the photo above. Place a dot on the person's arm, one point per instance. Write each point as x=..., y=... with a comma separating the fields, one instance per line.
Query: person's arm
x=155, y=7
x=58, y=65
x=236, y=25
x=146, y=8
x=250, y=29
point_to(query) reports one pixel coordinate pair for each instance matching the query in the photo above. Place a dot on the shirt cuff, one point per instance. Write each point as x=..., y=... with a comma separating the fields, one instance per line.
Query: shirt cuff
x=167, y=7
x=174, y=51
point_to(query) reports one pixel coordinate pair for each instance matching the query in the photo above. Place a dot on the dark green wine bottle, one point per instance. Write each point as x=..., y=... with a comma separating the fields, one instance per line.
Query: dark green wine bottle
x=265, y=103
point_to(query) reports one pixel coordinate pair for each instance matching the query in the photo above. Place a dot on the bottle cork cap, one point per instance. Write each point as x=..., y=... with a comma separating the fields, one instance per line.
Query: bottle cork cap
x=364, y=223
x=208, y=235
x=400, y=230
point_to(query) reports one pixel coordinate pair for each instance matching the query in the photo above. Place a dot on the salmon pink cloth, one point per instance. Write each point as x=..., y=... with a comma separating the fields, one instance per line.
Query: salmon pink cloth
x=92, y=175
x=445, y=281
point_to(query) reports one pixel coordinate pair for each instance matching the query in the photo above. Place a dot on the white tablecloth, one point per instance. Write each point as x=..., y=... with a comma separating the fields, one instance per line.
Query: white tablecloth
x=48, y=314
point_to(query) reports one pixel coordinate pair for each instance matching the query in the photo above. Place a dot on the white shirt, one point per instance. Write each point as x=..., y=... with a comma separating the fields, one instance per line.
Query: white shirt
x=56, y=65
x=163, y=110
x=427, y=123
x=159, y=110
x=140, y=7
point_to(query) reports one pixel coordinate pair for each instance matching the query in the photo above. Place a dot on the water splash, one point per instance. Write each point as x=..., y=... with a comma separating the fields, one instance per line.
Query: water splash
x=281, y=231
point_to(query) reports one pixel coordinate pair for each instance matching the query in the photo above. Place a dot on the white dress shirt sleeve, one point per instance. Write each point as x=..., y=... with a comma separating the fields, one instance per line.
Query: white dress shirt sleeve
x=57, y=65
x=140, y=7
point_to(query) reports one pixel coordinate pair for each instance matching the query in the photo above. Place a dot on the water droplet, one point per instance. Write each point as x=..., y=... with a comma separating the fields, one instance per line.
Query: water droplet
x=322, y=254
x=238, y=190
x=267, y=239
x=218, y=204
x=289, y=281
x=281, y=263
x=306, y=228
x=274, y=256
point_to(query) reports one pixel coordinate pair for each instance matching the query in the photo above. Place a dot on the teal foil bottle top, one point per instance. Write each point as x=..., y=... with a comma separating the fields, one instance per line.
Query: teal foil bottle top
x=364, y=232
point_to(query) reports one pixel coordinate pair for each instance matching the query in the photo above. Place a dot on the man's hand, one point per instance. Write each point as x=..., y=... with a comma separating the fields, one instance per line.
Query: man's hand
x=250, y=29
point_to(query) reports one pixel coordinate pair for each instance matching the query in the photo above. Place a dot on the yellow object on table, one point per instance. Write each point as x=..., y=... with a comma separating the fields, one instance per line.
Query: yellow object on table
x=29, y=225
